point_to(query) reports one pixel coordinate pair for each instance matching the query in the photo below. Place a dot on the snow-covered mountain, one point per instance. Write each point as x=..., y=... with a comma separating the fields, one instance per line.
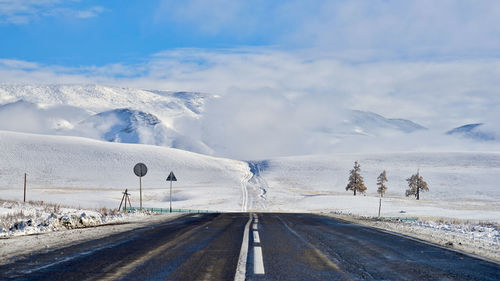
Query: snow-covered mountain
x=198, y=122
x=126, y=126
x=71, y=168
x=369, y=123
x=474, y=131
x=105, y=113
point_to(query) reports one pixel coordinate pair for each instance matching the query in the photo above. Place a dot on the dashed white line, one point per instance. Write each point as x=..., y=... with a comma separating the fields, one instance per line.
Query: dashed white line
x=258, y=262
x=256, y=237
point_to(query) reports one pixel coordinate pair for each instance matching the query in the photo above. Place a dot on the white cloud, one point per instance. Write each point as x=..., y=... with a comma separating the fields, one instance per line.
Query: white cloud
x=90, y=13
x=440, y=95
x=26, y=11
x=375, y=29
x=18, y=64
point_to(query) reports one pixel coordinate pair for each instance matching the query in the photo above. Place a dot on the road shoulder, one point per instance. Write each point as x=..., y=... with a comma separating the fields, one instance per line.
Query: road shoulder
x=17, y=247
x=487, y=250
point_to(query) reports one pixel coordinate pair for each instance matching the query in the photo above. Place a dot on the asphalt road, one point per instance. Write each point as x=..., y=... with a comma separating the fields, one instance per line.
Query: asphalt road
x=262, y=246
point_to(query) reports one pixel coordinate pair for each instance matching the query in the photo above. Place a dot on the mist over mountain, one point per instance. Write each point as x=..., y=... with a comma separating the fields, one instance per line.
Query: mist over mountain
x=475, y=131
x=124, y=125
x=369, y=123
x=242, y=127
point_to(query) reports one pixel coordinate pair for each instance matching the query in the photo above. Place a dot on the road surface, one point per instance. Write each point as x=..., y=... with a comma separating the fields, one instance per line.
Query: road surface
x=243, y=246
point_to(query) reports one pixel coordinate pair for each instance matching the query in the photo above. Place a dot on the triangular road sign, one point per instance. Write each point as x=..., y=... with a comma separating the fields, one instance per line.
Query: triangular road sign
x=171, y=177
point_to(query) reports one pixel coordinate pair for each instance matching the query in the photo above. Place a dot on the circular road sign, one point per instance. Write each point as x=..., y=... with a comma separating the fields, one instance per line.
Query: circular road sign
x=140, y=169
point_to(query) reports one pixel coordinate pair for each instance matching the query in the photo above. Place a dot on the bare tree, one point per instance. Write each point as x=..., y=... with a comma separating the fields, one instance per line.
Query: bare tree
x=416, y=184
x=356, y=183
x=381, y=180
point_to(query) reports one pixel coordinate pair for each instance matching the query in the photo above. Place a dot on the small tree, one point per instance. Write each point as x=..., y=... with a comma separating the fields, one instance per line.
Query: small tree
x=416, y=184
x=356, y=183
x=381, y=180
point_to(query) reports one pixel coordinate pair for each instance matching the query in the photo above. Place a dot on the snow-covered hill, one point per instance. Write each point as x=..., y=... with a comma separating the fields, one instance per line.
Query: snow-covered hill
x=126, y=126
x=474, y=131
x=171, y=119
x=105, y=113
x=97, y=98
x=373, y=123
x=82, y=172
x=463, y=185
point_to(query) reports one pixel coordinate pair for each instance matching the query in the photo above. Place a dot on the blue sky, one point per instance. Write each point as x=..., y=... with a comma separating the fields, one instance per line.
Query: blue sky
x=91, y=32
x=425, y=60
x=101, y=32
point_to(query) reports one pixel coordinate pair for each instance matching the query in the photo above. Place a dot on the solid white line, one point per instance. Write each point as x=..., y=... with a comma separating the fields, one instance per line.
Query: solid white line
x=255, y=227
x=258, y=263
x=256, y=237
x=241, y=269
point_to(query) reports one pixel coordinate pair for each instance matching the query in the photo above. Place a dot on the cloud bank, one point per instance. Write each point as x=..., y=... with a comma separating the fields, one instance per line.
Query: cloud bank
x=442, y=94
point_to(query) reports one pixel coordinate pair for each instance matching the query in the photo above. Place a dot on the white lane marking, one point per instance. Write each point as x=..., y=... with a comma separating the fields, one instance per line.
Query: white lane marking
x=241, y=269
x=255, y=226
x=256, y=220
x=256, y=237
x=258, y=262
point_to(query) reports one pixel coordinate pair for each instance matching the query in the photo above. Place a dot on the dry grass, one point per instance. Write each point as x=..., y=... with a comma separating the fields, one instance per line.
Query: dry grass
x=20, y=212
x=107, y=212
x=455, y=221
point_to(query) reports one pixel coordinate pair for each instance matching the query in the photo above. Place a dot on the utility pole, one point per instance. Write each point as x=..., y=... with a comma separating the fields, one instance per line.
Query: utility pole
x=24, y=187
x=379, y=204
x=125, y=197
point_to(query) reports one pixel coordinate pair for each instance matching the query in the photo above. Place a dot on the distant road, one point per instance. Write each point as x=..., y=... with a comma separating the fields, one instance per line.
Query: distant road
x=263, y=246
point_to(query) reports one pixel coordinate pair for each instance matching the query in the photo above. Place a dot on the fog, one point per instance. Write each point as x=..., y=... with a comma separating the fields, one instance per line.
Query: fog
x=259, y=125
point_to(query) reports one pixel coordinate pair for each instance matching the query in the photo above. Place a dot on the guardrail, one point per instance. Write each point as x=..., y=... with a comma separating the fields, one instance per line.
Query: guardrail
x=398, y=218
x=167, y=210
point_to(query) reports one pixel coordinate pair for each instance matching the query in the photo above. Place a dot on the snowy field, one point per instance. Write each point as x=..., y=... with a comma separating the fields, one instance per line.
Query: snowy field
x=462, y=185
x=92, y=174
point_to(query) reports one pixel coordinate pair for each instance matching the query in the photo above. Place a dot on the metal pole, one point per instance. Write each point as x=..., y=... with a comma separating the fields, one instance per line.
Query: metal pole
x=140, y=191
x=120, y=208
x=24, y=187
x=379, y=205
x=170, y=195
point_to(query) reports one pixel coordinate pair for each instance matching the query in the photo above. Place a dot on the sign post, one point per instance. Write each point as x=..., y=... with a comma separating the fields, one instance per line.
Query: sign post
x=171, y=178
x=140, y=170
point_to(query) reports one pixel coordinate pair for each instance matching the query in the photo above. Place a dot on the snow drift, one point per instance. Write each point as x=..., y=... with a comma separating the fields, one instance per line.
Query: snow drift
x=82, y=172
